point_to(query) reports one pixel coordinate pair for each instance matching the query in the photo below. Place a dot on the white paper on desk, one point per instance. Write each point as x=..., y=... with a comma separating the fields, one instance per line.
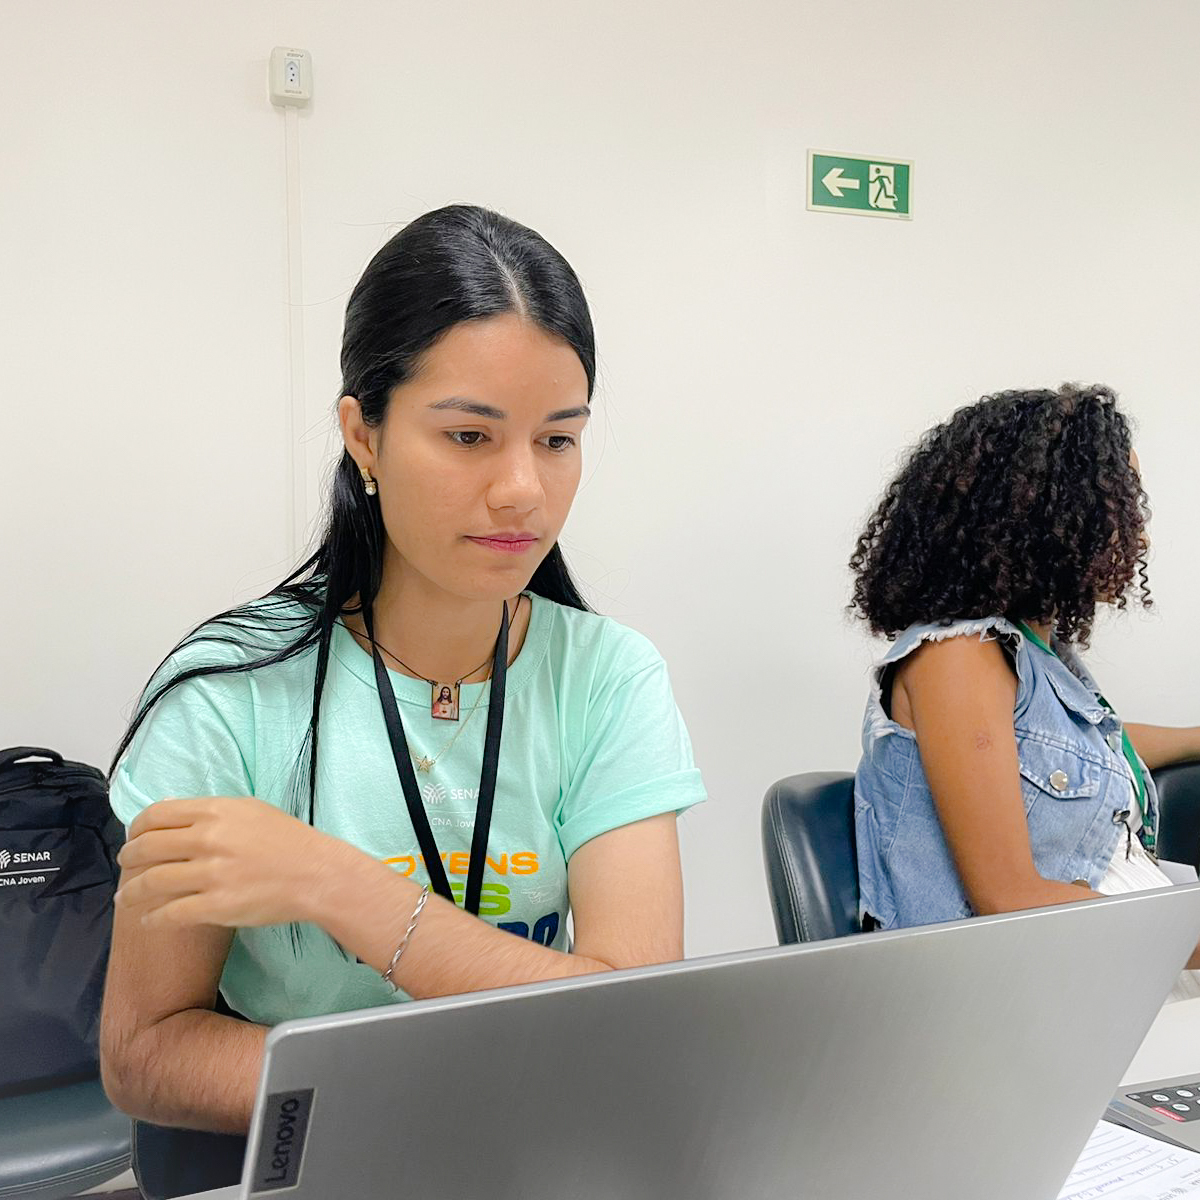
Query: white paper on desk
x=1177, y=872
x=1131, y=1166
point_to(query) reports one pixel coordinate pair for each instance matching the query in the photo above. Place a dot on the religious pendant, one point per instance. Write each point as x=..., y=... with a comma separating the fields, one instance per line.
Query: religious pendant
x=443, y=701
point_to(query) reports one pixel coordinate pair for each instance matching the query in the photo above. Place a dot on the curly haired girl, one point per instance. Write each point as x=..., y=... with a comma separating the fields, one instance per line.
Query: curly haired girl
x=995, y=776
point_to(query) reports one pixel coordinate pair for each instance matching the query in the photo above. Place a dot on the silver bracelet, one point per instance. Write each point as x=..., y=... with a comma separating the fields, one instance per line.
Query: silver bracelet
x=387, y=975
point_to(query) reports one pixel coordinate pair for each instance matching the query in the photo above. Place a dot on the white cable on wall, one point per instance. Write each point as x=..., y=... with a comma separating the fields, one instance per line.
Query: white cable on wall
x=290, y=84
x=296, y=419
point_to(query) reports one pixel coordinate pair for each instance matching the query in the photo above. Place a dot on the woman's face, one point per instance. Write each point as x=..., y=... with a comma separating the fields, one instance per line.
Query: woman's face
x=478, y=457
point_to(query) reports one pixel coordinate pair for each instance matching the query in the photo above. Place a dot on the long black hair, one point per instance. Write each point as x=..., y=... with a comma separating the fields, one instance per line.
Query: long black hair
x=456, y=264
x=1024, y=505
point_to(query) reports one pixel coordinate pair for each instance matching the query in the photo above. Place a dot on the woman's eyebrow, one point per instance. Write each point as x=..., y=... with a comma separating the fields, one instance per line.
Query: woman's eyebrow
x=470, y=406
x=478, y=409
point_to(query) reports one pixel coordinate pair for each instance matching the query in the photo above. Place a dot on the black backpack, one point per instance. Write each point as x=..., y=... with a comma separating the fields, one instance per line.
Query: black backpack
x=58, y=871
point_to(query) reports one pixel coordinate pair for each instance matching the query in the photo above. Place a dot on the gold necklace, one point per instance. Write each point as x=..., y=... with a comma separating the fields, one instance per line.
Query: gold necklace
x=425, y=763
x=443, y=694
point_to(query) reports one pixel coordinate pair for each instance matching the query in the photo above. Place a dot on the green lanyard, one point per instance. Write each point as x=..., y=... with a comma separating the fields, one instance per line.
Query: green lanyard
x=1135, y=765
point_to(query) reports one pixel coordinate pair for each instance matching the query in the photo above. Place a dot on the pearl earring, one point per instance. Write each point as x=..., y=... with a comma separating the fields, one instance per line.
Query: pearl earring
x=369, y=485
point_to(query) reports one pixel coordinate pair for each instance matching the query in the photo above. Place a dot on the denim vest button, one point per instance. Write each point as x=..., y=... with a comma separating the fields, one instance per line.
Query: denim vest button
x=1059, y=780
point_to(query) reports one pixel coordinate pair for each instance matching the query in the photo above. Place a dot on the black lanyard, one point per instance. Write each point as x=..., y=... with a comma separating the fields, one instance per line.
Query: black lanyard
x=487, y=778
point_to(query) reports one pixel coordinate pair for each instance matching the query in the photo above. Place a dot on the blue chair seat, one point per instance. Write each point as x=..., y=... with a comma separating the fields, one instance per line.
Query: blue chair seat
x=60, y=1141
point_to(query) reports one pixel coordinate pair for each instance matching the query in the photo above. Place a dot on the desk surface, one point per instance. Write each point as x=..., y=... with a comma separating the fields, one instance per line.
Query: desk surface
x=1172, y=1047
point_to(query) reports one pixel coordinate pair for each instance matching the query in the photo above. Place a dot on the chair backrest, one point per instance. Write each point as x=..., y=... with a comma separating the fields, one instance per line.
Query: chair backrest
x=808, y=846
x=1179, y=815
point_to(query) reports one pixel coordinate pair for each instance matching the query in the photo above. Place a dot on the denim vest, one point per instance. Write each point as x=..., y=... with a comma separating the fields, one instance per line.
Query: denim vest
x=1075, y=781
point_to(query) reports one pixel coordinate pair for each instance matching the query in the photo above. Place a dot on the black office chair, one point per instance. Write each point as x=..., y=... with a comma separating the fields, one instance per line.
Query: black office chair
x=60, y=1141
x=168, y=1163
x=808, y=846
x=1179, y=813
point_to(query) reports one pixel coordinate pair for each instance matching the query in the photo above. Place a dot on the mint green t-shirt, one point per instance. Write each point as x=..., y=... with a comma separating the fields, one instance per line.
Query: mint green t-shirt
x=592, y=741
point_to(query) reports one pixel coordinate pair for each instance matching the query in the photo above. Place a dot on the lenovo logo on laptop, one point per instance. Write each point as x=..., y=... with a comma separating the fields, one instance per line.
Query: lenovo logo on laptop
x=281, y=1151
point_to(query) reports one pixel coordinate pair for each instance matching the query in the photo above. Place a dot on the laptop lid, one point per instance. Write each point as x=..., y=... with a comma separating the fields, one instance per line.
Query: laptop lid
x=971, y=1058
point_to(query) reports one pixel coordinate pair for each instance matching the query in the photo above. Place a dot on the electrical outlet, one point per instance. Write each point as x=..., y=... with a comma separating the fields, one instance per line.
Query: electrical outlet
x=290, y=77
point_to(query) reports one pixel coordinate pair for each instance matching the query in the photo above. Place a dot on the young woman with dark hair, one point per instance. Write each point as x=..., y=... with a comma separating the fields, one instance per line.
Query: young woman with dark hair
x=313, y=827
x=995, y=775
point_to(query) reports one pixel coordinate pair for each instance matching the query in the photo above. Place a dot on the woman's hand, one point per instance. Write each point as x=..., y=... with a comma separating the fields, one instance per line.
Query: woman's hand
x=222, y=860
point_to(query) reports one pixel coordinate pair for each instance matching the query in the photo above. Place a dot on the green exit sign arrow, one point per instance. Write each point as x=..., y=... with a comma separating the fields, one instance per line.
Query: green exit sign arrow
x=870, y=187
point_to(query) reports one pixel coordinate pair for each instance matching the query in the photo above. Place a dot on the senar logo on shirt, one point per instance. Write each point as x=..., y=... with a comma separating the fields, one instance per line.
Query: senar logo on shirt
x=433, y=793
x=284, y=1130
x=23, y=856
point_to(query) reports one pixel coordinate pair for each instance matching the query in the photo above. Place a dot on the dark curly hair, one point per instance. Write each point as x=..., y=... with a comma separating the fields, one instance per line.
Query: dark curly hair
x=1025, y=505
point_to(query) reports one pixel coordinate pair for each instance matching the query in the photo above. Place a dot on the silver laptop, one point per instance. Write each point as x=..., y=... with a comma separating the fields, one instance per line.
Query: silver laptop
x=1168, y=1109
x=969, y=1059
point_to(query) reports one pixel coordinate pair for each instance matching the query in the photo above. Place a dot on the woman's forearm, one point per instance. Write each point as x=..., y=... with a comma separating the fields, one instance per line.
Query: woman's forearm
x=366, y=906
x=1160, y=745
x=1033, y=893
x=196, y=1069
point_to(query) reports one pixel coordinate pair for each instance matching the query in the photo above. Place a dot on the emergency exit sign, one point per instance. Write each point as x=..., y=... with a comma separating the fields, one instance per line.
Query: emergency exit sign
x=869, y=187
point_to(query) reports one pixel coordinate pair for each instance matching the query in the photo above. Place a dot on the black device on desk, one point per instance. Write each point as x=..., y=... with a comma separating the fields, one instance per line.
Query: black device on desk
x=1168, y=1109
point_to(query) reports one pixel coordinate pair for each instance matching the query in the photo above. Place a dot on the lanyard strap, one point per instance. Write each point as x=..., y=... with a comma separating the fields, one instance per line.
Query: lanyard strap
x=1135, y=764
x=408, y=777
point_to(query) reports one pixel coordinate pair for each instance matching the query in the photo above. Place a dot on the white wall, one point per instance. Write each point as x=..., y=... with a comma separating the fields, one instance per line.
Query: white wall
x=761, y=365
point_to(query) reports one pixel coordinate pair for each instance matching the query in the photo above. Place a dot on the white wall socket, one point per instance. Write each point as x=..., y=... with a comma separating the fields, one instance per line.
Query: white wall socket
x=290, y=77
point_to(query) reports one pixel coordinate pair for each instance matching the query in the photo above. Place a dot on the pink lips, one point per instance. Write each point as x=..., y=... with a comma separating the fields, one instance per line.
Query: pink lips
x=506, y=543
